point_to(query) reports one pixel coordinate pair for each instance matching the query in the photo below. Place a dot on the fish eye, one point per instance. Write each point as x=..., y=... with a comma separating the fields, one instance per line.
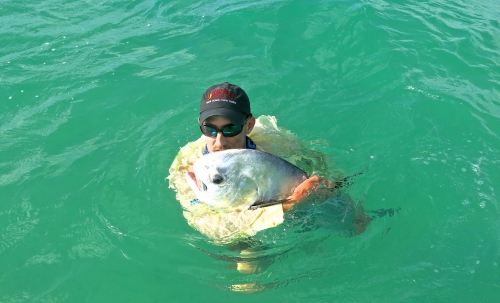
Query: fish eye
x=217, y=179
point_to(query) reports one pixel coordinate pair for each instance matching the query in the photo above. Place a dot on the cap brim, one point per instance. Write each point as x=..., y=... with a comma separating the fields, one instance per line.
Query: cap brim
x=236, y=117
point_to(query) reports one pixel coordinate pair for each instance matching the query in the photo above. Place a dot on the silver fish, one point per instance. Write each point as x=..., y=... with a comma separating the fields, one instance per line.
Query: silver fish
x=243, y=178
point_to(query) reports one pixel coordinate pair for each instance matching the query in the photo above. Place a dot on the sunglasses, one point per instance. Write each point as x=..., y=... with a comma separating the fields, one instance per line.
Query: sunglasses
x=227, y=131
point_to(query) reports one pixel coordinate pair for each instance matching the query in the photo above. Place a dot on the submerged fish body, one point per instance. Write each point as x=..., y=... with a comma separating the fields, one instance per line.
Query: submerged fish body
x=243, y=178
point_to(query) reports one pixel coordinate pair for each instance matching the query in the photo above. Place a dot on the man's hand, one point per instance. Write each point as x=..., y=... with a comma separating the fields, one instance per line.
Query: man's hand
x=302, y=191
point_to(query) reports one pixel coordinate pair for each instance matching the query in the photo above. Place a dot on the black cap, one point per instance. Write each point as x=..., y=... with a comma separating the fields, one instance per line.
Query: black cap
x=225, y=99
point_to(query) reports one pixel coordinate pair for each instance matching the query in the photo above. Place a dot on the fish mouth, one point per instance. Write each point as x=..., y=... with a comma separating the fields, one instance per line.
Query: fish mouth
x=194, y=182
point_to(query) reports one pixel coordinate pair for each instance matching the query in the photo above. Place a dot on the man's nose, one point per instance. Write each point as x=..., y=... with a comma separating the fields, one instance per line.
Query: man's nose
x=220, y=140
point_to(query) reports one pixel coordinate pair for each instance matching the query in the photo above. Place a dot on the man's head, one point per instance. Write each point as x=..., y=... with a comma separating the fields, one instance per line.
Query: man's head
x=225, y=117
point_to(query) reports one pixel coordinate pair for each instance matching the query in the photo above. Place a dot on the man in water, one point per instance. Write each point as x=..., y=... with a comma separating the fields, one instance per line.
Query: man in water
x=226, y=122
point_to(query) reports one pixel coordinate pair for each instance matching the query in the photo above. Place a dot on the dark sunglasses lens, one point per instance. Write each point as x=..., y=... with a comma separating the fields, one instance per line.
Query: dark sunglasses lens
x=232, y=131
x=208, y=131
x=228, y=131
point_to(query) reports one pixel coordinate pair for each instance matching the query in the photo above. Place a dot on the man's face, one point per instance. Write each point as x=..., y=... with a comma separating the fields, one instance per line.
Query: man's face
x=222, y=143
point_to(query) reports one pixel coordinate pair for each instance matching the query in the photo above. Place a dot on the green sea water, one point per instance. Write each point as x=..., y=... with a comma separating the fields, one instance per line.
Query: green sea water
x=97, y=97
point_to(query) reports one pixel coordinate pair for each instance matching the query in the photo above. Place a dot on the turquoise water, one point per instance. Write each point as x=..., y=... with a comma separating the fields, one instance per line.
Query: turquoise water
x=97, y=98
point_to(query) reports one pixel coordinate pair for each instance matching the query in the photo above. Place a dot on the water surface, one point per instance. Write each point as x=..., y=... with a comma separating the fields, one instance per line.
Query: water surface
x=97, y=98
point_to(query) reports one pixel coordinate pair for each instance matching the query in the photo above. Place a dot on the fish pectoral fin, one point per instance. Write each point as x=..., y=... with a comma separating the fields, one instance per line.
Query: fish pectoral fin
x=259, y=204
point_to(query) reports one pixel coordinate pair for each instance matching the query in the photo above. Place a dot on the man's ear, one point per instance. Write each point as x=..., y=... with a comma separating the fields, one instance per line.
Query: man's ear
x=250, y=124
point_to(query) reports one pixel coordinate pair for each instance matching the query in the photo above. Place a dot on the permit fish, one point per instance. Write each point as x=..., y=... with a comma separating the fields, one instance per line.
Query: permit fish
x=246, y=178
